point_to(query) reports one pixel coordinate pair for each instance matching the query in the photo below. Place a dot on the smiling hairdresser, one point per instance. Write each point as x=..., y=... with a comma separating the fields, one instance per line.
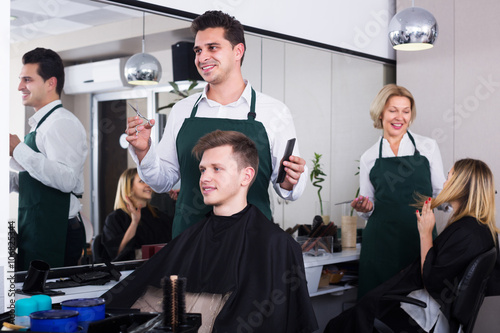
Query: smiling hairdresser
x=396, y=167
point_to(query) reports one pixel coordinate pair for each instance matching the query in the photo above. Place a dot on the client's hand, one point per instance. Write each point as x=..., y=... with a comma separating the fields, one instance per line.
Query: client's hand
x=425, y=224
x=135, y=212
x=426, y=220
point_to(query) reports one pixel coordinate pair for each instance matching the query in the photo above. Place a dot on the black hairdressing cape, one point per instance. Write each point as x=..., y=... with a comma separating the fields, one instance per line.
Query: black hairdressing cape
x=244, y=254
x=151, y=230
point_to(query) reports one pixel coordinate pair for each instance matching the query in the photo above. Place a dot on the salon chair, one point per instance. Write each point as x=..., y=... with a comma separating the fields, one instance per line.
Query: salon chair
x=469, y=295
x=98, y=250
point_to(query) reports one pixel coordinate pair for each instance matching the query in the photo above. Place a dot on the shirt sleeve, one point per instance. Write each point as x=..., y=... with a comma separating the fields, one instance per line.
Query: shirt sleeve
x=160, y=167
x=366, y=188
x=63, y=150
x=437, y=172
x=279, y=135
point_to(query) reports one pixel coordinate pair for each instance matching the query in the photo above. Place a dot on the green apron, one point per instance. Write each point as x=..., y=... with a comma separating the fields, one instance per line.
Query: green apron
x=190, y=208
x=43, y=216
x=391, y=240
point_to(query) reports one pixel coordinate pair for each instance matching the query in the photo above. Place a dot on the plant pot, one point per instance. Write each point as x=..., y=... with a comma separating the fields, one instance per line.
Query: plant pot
x=348, y=233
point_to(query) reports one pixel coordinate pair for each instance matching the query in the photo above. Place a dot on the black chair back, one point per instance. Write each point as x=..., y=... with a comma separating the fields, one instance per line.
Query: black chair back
x=98, y=250
x=471, y=290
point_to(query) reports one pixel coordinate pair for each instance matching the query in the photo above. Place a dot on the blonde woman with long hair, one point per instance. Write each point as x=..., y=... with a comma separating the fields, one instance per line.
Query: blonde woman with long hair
x=470, y=231
x=134, y=222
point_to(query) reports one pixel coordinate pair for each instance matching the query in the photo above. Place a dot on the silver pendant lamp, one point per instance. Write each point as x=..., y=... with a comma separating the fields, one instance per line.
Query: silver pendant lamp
x=413, y=29
x=142, y=68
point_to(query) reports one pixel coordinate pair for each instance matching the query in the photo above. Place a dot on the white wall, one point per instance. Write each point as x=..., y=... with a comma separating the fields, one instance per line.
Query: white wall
x=456, y=84
x=355, y=25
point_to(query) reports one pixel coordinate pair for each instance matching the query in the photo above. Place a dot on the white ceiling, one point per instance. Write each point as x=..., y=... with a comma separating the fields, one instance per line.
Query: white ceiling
x=42, y=18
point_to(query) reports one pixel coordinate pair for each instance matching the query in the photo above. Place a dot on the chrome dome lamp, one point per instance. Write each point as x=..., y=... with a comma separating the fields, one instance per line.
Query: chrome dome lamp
x=413, y=29
x=142, y=68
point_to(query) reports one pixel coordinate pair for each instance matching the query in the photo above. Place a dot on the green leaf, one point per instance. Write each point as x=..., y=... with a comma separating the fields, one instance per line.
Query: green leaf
x=193, y=85
x=175, y=86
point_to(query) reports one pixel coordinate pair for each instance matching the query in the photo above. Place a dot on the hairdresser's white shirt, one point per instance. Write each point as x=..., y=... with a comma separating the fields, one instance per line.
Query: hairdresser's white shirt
x=62, y=142
x=160, y=167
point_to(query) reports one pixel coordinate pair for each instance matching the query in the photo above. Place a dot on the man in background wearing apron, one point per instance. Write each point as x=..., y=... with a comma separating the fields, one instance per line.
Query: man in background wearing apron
x=50, y=164
x=228, y=103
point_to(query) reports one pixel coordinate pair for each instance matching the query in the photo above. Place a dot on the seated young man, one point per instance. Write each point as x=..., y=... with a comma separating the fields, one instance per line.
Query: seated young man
x=236, y=261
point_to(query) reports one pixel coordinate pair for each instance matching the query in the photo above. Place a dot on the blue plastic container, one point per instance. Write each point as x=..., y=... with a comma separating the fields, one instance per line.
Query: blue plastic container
x=44, y=302
x=89, y=309
x=54, y=321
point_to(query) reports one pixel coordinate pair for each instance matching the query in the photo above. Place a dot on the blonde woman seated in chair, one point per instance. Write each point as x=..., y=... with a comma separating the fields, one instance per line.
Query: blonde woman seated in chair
x=134, y=222
x=470, y=231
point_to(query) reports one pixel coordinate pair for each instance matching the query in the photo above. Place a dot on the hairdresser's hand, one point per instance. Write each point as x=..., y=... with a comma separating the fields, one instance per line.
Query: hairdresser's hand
x=293, y=168
x=138, y=135
x=14, y=141
x=362, y=204
x=426, y=219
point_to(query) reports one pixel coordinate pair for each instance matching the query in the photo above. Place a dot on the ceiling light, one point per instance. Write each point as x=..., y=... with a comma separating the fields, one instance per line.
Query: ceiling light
x=413, y=29
x=142, y=68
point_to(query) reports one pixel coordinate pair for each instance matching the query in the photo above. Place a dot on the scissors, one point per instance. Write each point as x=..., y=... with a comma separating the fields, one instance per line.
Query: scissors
x=141, y=116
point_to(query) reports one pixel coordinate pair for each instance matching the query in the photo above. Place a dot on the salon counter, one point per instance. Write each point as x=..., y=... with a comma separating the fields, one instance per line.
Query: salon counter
x=88, y=291
x=326, y=300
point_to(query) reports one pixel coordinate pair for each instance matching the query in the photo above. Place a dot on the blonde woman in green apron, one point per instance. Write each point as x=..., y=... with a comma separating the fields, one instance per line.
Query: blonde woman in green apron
x=227, y=103
x=50, y=164
x=399, y=165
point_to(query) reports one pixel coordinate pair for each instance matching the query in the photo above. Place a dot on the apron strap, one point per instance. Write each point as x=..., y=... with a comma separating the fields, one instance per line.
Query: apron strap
x=250, y=116
x=413, y=141
x=80, y=195
x=411, y=138
x=380, y=147
x=84, y=244
x=48, y=114
x=195, y=107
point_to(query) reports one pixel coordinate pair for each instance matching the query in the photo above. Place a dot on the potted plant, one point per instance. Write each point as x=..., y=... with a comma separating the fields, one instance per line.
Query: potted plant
x=316, y=179
x=180, y=94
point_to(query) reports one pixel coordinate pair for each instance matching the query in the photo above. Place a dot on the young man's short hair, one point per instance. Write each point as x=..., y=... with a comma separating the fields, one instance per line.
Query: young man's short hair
x=49, y=65
x=244, y=149
x=233, y=30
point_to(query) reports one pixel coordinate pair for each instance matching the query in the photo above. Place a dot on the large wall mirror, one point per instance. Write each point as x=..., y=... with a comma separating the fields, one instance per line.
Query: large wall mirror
x=328, y=93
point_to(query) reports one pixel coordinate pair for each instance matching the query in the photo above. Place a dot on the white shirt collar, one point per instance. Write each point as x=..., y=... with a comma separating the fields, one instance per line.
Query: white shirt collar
x=35, y=119
x=246, y=96
x=404, y=138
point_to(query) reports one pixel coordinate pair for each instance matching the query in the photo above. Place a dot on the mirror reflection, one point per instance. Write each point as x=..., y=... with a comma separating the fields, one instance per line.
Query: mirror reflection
x=325, y=99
